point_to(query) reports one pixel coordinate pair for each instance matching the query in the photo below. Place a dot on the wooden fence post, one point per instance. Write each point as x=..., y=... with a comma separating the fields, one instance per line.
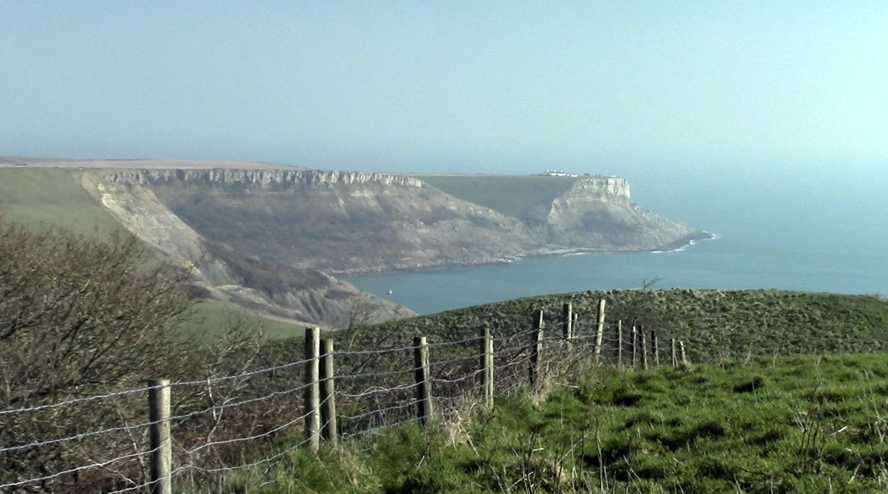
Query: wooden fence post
x=328, y=393
x=536, y=346
x=312, y=388
x=644, y=348
x=674, y=360
x=159, y=432
x=655, y=344
x=619, y=343
x=424, y=408
x=599, y=336
x=684, y=356
x=487, y=366
x=634, y=347
x=567, y=315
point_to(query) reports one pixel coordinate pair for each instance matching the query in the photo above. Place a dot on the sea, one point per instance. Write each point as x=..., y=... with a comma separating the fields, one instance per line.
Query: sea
x=823, y=231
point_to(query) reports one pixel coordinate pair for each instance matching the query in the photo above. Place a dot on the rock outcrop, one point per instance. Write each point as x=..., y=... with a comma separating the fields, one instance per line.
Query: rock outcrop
x=596, y=212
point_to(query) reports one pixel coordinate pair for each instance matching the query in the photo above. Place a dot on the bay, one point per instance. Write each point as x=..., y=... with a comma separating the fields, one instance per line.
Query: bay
x=801, y=234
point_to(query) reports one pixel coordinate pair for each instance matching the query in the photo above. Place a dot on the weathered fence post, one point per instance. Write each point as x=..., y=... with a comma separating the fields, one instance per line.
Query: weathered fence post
x=655, y=344
x=536, y=346
x=487, y=366
x=312, y=388
x=328, y=392
x=634, y=347
x=619, y=343
x=159, y=432
x=644, y=348
x=684, y=356
x=424, y=408
x=674, y=360
x=599, y=336
x=567, y=314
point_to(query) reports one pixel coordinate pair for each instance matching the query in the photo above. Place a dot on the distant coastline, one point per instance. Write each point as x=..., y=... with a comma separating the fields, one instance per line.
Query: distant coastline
x=676, y=246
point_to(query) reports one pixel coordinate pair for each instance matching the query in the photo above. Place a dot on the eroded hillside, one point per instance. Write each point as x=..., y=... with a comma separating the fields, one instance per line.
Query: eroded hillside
x=352, y=222
x=265, y=236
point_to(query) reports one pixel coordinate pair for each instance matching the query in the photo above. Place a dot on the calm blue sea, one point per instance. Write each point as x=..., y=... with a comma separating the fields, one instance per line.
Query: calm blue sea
x=825, y=234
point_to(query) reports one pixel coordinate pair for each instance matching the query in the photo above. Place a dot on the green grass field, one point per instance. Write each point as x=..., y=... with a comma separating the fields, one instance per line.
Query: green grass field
x=714, y=324
x=519, y=196
x=801, y=424
x=52, y=197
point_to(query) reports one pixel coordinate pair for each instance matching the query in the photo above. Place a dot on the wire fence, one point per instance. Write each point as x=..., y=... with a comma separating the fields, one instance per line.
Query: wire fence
x=223, y=424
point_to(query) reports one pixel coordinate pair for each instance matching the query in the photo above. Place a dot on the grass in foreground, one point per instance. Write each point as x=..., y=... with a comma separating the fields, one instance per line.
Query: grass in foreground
x=797, y=424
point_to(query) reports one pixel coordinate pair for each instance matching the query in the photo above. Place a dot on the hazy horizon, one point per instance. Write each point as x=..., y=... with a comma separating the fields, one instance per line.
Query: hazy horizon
x=638, y=89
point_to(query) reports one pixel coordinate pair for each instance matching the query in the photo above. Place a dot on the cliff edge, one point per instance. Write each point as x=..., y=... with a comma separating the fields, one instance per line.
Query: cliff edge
x=360, y=222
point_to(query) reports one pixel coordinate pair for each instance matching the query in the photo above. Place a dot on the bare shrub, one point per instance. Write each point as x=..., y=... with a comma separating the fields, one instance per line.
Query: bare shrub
x=80, y=316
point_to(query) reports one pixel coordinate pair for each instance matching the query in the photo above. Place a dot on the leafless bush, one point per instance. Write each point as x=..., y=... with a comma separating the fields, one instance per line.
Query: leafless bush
x=80, y=316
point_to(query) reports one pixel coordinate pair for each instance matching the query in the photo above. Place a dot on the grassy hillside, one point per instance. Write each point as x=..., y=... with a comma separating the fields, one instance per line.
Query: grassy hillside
x=771, y=425
x=715, y=324
x=212, y=316
x=51, y=197
x=519, y=196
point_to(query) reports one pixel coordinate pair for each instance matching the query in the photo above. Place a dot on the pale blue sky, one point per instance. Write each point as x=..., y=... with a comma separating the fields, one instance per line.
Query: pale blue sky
x=626, y=88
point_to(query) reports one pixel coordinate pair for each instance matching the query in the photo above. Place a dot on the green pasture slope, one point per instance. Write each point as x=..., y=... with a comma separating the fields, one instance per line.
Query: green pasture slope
x=52, y=197
x=212, y=316
x=714, y=324
x=801, y=424
x=518, y=196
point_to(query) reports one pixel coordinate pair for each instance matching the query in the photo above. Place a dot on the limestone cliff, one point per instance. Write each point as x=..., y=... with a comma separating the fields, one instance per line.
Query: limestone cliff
x=357, y=222
x=271, y=179
x=336, y=221
x=596, y=212
x=303, y=295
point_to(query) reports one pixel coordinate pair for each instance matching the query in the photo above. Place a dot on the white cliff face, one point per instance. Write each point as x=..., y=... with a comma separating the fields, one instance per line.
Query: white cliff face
x=260, y=178
x=603, y=187
x=597, y=212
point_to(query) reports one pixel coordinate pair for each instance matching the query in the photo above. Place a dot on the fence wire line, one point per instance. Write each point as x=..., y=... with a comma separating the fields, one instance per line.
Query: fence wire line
x=377, y=390
x=239, y=467
x=75, y=400
x=224, y=406
x=241, y=375
x=148, y=424
x=372, y=374
x=74, y=437
x=248, y=438
x=100, y=464
x=443, y=344
x=514, y=348
x=470, y=375
x=349, y=353
x=256, y=463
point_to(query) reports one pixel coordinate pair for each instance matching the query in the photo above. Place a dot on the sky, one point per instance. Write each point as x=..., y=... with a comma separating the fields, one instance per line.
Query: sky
x=642, y=89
